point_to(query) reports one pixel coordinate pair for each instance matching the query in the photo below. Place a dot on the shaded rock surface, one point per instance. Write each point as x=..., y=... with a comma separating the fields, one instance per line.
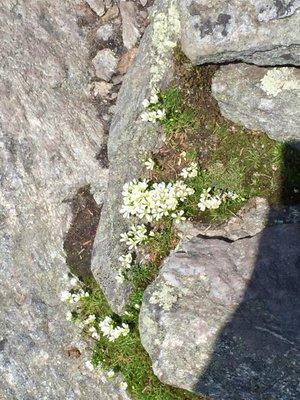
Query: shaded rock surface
x=255, y=31
x=265, y=99
x=49, y=138
x=222, y=319
x=130, y=140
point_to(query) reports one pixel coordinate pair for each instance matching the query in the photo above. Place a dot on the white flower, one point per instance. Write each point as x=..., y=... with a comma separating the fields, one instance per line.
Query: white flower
x=154, y=98
x=135, y=236
x=182, y=156
x=69, y=316
x=160, y=114
x=65, y=295
x=110, y=373
x=89, y=365
x=178, y=216
x=126, y=261
x=190, y=171
x=146, y=103
x=123, y=386
x=110, y=331
x=91, y=318
x=150, y=164
x=213, y=201
x=150, y=203
x=73, y=282
x=137, y=306
x=120, y=278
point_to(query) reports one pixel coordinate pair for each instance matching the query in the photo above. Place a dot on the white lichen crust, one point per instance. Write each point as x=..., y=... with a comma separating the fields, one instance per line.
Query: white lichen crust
x=277, y=80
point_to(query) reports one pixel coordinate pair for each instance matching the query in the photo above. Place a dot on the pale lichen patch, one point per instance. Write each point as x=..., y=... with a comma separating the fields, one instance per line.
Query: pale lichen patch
x=165, y=296
x=277, y=80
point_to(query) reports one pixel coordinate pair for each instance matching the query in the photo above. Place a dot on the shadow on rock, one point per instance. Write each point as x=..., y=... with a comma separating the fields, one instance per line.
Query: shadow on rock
x=256, y=355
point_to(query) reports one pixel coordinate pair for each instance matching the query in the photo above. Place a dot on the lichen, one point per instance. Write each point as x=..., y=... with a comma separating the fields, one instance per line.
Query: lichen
x=277, y=80
x=166, y=29
x=165, y=296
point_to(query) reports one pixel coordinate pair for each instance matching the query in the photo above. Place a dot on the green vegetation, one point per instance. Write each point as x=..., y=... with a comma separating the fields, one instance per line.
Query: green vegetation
x=230, y=159
x=126, y=354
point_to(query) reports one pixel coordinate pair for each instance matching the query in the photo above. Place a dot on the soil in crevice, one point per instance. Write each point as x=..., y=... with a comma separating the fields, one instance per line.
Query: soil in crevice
x=79, y=240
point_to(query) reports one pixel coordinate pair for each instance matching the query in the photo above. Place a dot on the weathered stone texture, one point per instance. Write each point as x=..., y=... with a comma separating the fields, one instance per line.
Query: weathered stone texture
x=264, y=99
x=255, y=31
x=222, y=319
x=130, y=140
x=49, y=139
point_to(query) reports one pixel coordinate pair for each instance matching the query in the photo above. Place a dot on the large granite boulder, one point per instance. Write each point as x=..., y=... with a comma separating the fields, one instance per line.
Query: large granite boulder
x=130, y=140
x=263, y=32
x=49, y=138
x=264, y=99
x=222, y=319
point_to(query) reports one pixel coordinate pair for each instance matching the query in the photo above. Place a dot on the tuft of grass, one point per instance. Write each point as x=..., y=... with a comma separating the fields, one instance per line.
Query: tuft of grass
x=178, y=118
x=230, y=157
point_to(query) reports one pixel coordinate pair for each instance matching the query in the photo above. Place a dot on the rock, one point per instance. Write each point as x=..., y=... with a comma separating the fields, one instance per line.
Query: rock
x=105, y=64
x=222, y=318
x=50, y=135
x=143, y=2
x=130, y=31
x=265, y=99
x=97, y=6
x=250, y=220
x=105, y=32
x=126, y=60
x=116, y=80
x=129, y=140
x=254, y=31
x=110, y=14
x=102, y=89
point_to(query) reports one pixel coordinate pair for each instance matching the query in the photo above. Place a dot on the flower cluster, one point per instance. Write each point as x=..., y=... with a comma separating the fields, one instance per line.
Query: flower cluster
x=152, y=202
x=212, y=200
x=153, y=113
x=135, y=236
x=126, y=261
x=75, y=292
x=112, y=332
x=190, y=172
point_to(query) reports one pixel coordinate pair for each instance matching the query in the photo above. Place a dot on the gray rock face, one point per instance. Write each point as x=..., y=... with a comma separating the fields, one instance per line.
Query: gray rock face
x=130, y=140
x=264, y=99
x=222, y=319
x=105, y=32
x=49, y=138
x=255, y=31
x=105, y=63
x=97, y=6
x=250, y=220
x=131, y=32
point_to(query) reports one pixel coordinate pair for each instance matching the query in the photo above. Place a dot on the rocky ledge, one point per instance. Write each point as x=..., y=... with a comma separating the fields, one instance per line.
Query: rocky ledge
x=222, y=318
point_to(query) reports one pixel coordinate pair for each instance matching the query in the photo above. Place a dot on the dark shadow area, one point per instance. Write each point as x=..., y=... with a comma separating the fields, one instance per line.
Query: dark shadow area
x=256, y=355
x=79, y=240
